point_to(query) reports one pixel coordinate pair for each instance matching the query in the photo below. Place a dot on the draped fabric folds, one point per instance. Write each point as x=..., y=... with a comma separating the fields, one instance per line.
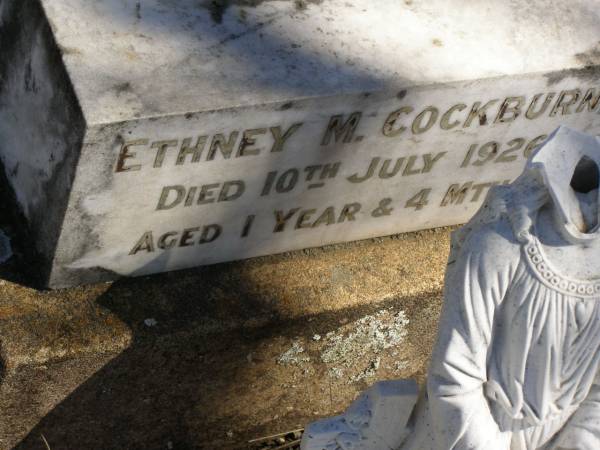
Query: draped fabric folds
x=516, y=362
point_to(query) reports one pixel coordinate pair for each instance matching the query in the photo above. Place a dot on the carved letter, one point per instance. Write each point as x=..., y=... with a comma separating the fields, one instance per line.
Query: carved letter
x=238, y=186
x=248, y=140
x=161, y=150
x=349, y=211
x=146, y=243
x=456, y=193
x=429, y=161
x=531, y=113
x=341, y=132
x=480, y=112
x=304, y=217
x=417, y=127
x=591, y=99
x=281, y=219
x=280, y=139
x=210, y=233
x=163, y=244
x=514, y=110
x=187, y=235
x=572, y=97
x=195, y=151
x=389, y=128
x=125, y=154
x=358, y=179
x=225, y=145
x=445, y=120
x=162, y=202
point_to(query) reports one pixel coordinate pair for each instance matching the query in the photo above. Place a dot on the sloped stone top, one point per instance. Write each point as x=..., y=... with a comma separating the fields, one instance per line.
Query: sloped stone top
x=131, y=59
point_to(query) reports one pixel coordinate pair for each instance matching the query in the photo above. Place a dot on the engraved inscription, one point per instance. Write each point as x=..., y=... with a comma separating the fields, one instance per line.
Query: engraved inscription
x=222, y=185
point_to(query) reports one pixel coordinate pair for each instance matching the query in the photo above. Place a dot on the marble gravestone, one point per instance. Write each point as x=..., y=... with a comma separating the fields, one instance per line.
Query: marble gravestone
x=516, y=365
x=154, y=135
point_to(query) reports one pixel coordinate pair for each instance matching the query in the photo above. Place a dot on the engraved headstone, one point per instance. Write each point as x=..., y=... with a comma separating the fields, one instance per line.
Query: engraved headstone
x=146, y=136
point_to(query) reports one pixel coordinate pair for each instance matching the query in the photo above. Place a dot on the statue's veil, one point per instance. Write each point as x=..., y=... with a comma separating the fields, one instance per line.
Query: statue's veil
x=547, y=176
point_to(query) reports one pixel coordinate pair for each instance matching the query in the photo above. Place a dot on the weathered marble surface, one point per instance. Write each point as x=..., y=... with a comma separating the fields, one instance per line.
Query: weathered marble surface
x=288, y=104
x=376, y=420
x=154, y=57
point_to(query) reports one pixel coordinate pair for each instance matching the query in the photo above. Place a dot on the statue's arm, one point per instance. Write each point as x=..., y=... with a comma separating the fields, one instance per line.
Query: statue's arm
x=582, y=431
x=475, y=286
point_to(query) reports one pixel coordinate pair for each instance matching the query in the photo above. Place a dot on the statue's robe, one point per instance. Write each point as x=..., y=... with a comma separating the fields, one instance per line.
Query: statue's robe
x=516, y=361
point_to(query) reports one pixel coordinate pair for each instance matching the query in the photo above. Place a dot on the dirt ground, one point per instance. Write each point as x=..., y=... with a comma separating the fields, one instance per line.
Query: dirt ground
x=212, y=357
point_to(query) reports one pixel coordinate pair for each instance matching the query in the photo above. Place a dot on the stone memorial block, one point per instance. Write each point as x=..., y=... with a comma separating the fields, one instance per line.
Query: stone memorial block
x=146, y=136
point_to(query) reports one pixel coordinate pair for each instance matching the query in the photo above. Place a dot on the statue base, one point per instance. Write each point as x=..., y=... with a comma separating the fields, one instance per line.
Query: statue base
x=377, y=420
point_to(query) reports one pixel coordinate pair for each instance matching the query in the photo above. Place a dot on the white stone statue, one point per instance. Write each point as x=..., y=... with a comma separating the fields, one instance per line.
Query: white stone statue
x=516, y=364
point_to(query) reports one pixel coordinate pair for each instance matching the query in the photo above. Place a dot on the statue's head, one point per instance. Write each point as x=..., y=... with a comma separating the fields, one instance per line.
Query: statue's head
x=563, y=170
x=566, y=166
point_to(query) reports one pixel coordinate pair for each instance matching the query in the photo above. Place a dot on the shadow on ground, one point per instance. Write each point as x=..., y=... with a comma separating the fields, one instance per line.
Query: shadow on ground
x=189, y=382
x=166, y=390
